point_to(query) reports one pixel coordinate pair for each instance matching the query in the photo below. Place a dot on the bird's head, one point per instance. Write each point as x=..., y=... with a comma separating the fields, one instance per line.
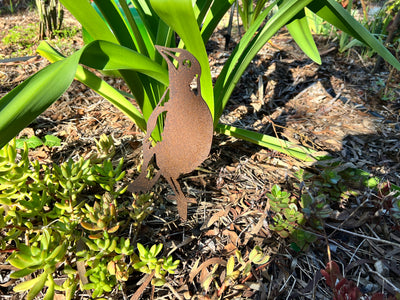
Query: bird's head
x=187, y=64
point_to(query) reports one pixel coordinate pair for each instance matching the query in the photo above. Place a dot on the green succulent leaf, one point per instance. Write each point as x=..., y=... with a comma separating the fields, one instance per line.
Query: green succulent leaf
x=22, y=273
x=158, y=281
x=52, y=141
x=142, y=250
x=34, y=286
x=51, y=290
x=32, y=142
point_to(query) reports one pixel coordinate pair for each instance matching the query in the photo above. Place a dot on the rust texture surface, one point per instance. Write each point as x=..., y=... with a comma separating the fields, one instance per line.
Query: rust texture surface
x=188, y=127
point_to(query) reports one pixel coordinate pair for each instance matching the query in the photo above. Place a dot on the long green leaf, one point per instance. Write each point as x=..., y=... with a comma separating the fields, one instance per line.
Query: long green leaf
x=97, y=29
x=213, y=17
x=180, y=16
x=150, y=19
x=112, y=95
x=105, y=56
x=139, y=32
x=28, y=100
x=267, y=141
x=300, y=31
x=201, y=8
x=258, y=9
x=23, y=104
x=117, y=22
x=102, y=88
x=87, y=16
x=335, y=14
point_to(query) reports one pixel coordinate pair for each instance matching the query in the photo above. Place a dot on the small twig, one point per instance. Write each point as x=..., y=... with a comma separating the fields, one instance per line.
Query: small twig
x=185, y=242
x=173, y=291
x=364, y=236
x=383, y=278
x=352, y=214
x=291, y=289
x=355, y=252
x=387, y=85
x=145, y=283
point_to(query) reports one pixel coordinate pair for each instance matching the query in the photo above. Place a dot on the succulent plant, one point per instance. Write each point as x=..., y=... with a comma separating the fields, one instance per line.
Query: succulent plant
x=148, y=262
x=51, y=222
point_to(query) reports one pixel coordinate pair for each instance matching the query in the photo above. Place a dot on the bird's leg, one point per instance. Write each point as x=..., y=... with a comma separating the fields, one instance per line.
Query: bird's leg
x=180, y=198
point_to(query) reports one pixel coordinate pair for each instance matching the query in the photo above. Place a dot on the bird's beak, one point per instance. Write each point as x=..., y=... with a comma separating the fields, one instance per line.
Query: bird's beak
x=167, y=53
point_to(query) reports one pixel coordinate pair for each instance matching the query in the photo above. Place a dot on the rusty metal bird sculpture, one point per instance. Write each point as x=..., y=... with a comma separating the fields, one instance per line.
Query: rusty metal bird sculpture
x=187, y=132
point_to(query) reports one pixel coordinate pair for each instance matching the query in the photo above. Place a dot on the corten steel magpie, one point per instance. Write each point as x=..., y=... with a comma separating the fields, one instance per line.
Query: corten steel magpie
x=188, y=128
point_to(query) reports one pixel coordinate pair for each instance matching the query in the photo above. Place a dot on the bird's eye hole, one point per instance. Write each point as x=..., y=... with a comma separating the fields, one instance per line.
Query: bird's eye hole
x=187, y=63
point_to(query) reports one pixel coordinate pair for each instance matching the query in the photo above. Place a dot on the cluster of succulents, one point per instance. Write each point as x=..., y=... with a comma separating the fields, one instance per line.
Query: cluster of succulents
x=63, y=219
x=147, y=262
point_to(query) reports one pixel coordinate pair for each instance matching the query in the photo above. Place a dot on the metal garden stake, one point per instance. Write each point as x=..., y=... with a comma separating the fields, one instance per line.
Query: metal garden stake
x=188, y=128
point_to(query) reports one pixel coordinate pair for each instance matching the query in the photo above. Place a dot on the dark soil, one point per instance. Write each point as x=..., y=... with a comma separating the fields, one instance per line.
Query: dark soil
x=336, y=107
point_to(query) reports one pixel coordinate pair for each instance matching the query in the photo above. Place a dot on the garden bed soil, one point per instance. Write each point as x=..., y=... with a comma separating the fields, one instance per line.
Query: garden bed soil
x=333, y=108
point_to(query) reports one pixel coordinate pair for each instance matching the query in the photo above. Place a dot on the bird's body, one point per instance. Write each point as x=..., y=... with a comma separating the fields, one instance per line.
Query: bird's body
x=186, y=133
x=188, y=128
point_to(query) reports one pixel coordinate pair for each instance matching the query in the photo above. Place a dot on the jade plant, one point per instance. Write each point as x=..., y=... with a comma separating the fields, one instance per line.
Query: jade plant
x=65, y=219
x=147, y=262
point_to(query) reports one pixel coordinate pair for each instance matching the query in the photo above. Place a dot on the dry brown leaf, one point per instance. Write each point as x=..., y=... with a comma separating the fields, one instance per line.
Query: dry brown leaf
x=232, y=235
x=59, y=297
x=140, y=290
x=215, y=217
x=211, y=232
x=230, y=247
x=208, y=262
x=203, y=275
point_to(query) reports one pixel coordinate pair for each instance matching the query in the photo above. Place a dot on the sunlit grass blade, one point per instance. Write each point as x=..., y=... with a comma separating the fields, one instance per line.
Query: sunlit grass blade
x=300, y=31
x=87, y=16
x=28, y=100
x=273, y=143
